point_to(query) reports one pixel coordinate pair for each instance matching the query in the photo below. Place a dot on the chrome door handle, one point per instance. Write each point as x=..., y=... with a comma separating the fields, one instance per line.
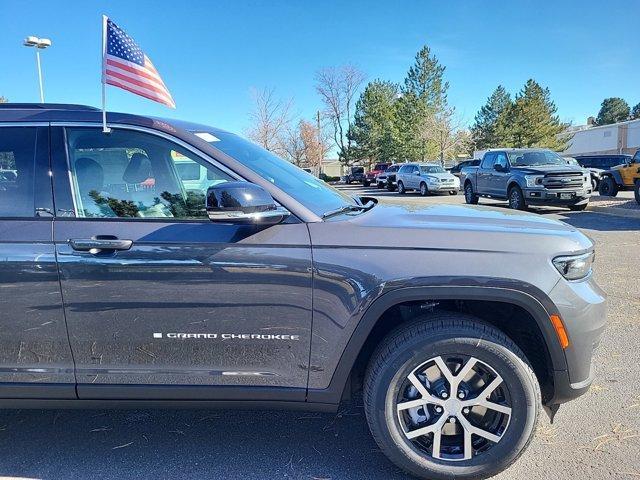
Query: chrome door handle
x=96, y=245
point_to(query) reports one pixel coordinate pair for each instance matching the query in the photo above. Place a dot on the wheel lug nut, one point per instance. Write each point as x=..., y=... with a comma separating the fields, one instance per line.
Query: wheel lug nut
x=461, y=395
x=444, y=395
x=452, y=420
x=438, y=409
x=465, y=410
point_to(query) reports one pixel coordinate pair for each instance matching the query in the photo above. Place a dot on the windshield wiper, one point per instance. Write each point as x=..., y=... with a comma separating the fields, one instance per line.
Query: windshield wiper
x=347, y=209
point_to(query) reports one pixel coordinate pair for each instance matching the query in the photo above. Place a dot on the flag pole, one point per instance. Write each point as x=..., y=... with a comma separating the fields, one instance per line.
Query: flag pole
x=105, y=129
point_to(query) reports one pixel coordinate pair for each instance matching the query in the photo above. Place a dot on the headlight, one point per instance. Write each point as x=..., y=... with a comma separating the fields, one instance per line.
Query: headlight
x=574, y=267
x=432, y=180
x=534, y=180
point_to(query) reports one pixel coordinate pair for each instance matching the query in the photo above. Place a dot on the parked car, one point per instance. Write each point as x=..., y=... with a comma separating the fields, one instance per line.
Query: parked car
x=620, y=177
x=355, y=175
x=527, y=176
x=387, y=178
x=457, y=169
x=597, y=164
x=260, y=289
x=426, y=178
x=370, y=176
x=594, y=173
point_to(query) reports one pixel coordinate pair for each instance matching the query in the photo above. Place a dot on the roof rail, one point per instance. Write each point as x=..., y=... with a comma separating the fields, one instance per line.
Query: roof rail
x=46, y=106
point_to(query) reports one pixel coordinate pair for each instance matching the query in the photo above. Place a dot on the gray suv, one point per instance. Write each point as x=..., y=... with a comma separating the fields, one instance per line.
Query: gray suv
x=127, y=281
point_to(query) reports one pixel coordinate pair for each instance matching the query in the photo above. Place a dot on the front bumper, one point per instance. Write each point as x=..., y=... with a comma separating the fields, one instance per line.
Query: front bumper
x=443, y=187
x=582, y=307
x=544, y=196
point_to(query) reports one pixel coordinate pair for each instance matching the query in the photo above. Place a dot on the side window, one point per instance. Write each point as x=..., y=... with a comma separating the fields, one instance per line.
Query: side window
x=487, y=161
x=500, y=159
x=130, y=174
x=414, y=170
x=17, y=159
x=403, y=169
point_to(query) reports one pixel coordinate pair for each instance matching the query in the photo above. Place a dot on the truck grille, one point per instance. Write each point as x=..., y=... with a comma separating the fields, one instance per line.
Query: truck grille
x=563, y=180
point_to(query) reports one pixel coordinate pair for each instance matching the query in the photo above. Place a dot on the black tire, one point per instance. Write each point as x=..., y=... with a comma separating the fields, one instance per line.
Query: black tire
x=608, y=187
x=594, y=184
x=453, y=192
x=390, y=187
x=636, y=191
x=380, y=185
x=469, y=196
x=366, y=183
x=424, y=190
x=408, y=347
x=516, y=198
x=401, y=189
x=578, y=208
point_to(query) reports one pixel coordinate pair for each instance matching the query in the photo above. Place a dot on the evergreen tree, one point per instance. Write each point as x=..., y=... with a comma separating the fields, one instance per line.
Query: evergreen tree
x=423, y=94
x=3, y=99
x=484, y=130
x=613, y=110
x=531, y=121
x=374, y=128
x=635, y=113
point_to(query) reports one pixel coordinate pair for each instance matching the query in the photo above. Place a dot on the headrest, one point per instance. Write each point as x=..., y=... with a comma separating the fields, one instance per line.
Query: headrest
x=138, y=170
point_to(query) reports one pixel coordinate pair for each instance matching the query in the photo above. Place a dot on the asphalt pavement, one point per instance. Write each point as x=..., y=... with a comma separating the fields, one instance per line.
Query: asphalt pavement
x=594, y=437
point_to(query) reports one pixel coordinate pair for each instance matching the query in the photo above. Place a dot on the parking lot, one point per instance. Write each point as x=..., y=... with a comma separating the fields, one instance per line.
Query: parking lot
x=597, y=436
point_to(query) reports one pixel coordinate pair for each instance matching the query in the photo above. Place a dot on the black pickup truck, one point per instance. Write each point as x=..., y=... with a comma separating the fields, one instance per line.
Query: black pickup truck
x=527, y=176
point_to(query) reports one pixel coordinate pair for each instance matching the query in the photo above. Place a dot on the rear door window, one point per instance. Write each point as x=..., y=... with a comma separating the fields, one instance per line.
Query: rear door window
x=17, y=167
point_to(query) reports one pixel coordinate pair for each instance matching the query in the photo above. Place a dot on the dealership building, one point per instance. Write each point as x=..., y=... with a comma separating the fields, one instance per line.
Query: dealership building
x=623, y=137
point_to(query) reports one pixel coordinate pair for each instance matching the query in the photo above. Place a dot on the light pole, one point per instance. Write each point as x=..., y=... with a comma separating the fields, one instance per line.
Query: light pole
x=40, y=44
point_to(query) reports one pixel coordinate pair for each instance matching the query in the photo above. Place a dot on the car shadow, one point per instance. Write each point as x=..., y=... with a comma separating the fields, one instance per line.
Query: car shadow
x=190, y=444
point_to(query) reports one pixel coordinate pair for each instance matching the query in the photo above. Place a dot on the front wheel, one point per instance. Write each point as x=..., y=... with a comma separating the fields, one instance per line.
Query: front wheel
x=380, y=185
x=578, y=208
x=447, y=396
x=608, y=187
x=390, y=187
x=516, y=199
x=401, y=189
x=424, y=190
x=366, y=183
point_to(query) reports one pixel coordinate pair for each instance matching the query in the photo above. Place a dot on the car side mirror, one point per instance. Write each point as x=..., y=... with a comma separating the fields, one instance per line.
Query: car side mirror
x=243, y=202
x=417, y=173
x=498, y=167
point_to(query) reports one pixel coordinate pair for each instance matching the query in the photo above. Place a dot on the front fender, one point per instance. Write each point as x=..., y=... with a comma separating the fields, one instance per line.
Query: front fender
x=524, y=295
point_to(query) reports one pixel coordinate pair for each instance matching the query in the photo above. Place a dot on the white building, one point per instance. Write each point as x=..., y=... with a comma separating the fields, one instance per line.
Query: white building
x=623, y=137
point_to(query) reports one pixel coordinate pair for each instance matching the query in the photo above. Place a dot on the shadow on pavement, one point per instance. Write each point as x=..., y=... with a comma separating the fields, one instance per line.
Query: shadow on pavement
x=599, y=221
x=190, y=444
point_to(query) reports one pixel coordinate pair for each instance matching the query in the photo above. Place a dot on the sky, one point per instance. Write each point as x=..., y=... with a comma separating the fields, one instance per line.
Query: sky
x=211, y=54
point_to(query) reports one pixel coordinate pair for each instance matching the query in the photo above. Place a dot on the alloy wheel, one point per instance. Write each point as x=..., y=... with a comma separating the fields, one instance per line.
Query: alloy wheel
x=453, y=408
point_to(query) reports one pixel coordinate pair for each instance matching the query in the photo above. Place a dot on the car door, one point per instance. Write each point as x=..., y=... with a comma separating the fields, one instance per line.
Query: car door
x=483, y=177
x=412, y=177
x=161, y=302
x=35, y=357
x=499, y=178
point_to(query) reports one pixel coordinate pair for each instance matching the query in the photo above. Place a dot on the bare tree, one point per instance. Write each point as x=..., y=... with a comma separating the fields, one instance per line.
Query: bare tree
x=269, y=119
x=338, y=87
x=445, y=131
x=316, y=144
x=293, y=145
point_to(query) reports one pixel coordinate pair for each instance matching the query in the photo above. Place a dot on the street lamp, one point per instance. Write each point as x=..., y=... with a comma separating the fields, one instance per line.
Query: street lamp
x=40, y=44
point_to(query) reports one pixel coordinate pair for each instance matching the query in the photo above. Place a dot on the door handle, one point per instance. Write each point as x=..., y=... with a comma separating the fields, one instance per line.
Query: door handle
x=97, y=245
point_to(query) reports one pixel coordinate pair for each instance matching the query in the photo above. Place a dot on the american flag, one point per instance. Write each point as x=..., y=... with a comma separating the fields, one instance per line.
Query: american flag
x=125, y=65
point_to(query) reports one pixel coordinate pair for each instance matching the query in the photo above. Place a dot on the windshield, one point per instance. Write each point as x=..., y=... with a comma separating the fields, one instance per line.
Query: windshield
x=431, y=169
x=535, y=157
x=381, y=167
x=313, y=193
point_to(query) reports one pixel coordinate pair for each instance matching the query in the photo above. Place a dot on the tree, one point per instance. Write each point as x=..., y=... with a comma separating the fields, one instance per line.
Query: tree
x=292, y=145
x=3, y=99
x=531, y=121
x=269, y=120
x=635, y=112
x=613, y=110
x=373, y=131
x=337, y=87
x=446, y=132
x=423, y=94
x=484, y=130
x=316, y=144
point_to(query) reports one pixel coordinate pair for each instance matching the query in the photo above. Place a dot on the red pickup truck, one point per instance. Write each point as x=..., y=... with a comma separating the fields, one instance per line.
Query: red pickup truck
x=370, y=176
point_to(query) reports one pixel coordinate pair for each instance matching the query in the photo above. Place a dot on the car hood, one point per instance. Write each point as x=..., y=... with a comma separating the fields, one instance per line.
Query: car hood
x=455, y=227
x=542, y=169
x=440, y=176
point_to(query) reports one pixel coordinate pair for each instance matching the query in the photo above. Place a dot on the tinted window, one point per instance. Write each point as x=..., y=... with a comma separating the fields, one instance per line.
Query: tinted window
x=17, y=157
x=432, y=169
x=500, y=159
x=487, y=160
x=381, y=166
x=527, y=158
x=136, y=175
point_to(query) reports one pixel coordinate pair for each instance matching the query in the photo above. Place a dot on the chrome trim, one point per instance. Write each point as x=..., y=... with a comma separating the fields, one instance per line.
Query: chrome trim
x=255, y=217
x=23, y=124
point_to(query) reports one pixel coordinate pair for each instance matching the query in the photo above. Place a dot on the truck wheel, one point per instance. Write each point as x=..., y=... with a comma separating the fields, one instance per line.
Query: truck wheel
x=380, y=185
x=424, y=190
x=401, y=189
x=366, y=183
x=578, y=208
x=608, y=187
x=594, y=184
x=390, y=187
x=470, y=197
x=636, y=191
x=447, y=396
x=516, y=199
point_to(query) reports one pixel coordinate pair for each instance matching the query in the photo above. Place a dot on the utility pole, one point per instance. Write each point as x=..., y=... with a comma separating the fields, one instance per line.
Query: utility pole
x=320, y=149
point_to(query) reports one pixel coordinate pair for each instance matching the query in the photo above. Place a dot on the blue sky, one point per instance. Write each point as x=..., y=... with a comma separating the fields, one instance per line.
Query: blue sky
x=212, y=53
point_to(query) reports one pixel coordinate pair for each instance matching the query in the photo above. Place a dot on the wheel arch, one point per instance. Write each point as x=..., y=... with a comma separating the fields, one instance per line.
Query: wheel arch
x=524, y=296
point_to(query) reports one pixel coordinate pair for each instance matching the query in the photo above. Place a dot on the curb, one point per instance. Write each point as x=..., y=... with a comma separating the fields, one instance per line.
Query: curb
x=618, y=212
